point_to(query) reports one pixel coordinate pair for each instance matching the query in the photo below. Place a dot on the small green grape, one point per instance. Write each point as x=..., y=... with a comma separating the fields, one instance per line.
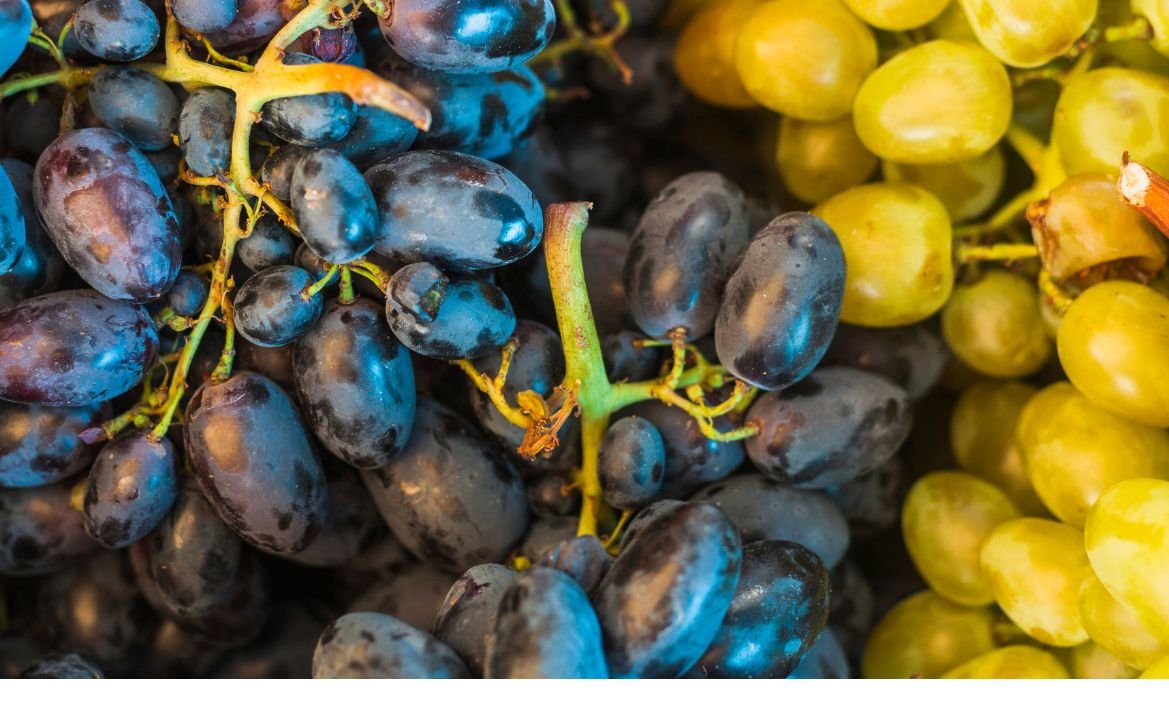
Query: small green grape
x=994, y=325
x=966, y=188
x=924, y=636
x=1092, y=661
x=897, y=14
x=704, y=55
x=818, y=160
x=1029, y=33
x=1011, y=662
x=1116, y=628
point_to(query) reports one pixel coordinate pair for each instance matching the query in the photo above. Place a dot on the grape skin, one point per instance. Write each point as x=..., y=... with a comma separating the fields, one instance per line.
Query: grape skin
x=392, y=650
x=334, y=207
x=205, y=125
x=39, y=445
x=39, y=531
x=467, y=616
x=631, y=463
x=15, y=21
x=116, y=30
x=135, y=104
x=131, y=488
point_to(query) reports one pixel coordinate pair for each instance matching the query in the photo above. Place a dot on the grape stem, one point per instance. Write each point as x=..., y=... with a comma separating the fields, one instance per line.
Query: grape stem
x=602, y=46
x=968, y=253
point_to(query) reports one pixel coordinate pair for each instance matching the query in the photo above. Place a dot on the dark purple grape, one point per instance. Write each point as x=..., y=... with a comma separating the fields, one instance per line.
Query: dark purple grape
x=366, y=645
x=271, y=308
x=872, y=502
x=166, y=162
x=276, y=363
x=276, y=172
x=268, y=245
x=13, y=232
x=470, y=36
x=26, y=131
x=62, y=666
x=412, y=594
x=447, y=317
x=331, y=44
x=249, y=449
x=454, y=210
x=255, y=22
x=108, y=213
x=551, y=495
x=632, y=463
x=131, y=488
x=583, y=558
x=376, y=136
x=334, y=207
x=782, y=304
x=135, y=104
x=449, y=497
x=205, y=127
x=204, y=15
x=41, y=445
x=545, y=533
x=603, y=253
x=188, y=293
x=626, y=361
x=913, y=357
x=665, y=596
x=536, y=365
x=466, y=618
x=73, y=348
x=116, y=30
x=356, y=384
x=687, y=243
x=836, y=424
x=40, y=532
x=353, y=527
x=309, y=120
x=39, y=266
x=15, y=22
x=779, y=609
x=692, y=459
x=825, y=660
x=655, y=97
x=853, y=609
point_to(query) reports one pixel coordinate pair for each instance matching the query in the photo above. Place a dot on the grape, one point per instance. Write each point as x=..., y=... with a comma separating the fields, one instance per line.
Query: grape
x=626, y=361
x=1091, y=661
x=941, y=101
x=276, y=363
x=1010, y=662
x=967, y=188
x=131, y=488
x=188, y=293
x=356, y=384
x=39, y=266
x=40, y=445
x=817, y=160
x=653, y=98
x=782, y=304
x=448, y=496
x=1029, y=34
x=309, y=120
x=277, y=169
x=871, y=502
x=632, y=463
x=692, y=459
x=376, y=136
x=852, y=607
x=897, y=14
x=108, y=213
x=826, y=430
x=116, y=30
x=334, y=207
x=764, y=510
x=994, y=325
x=377, y=646
x=545, y=629
x=73, y=348
x=353, y=528
x=15, y=23
x=447, y=317
x=1157, y=14
x=39, y=531
x=268, y=245
x=704, y=56
x=583, y=558
x=551, y=495
x=412, y=594
x=13, y=232
x=924, y=636
x=911, y=356
x=603, y=254
x=62, y=666
x=546, y=534
x=825, y=660
x=1035, y=568
x=255, y=22
x=662, y=601
x=205, y=15
x=685, y=247
x=335, y=44
x=897, y=246
x=205, y=126
x=779, y=609
x=272, y=308
x=1074, y=450
x=466, y=619
x=135, y=104
x=453, y=210
x=1116, y=628
x=1160, y=670
x=805, y=60
x=252, y=456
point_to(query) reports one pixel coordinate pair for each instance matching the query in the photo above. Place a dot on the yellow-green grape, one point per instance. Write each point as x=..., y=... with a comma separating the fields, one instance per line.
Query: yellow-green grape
x=1011, y=662
x=818, y=160
x=1157, y=13
x=946, y=517
x=952, y=25
x=1074, y=450
x=1114, y=345
x=805, y=59
x=1126, y=542
x=1160, y=670
x=1105, y=113
x=1092, y=661
x=941, y=101
x=924, y=636
x=994, y=325
x=897, y=14
x=897, y=244
x=1116, y=628
x=982, y=436
x=1137, y=53
x=1035, y=568
x=966, y=188
x=1029, y=33
x=704, y=55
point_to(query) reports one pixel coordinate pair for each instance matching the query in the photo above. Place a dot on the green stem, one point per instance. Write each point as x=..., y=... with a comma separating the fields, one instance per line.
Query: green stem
x=347, y=295
x=322, y=282
x=996, y=252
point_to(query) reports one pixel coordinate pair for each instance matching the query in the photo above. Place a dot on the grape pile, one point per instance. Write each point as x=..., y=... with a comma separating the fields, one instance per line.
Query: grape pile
x=578, y=338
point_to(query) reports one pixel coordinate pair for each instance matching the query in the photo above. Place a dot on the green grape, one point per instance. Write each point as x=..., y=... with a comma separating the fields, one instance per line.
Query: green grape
x=1157, y=13
x=1029, y=33
x=1138, y=54
x=1092, y=661
x=1116, y=628
x=818, y=160
x=1035, y=568
x=966, y=188
x=946, y=517
x=1125, y=539
x=1114, y=345
x=805, y=59
x=940, y=101
x=982, y=435
x=994, y=325
x=897, y=244
x=952, y=25
x=704, y=55
x=1105, y=113
x=1074, y=450
x=897, y=14
x=1011, y=662
x=1160, y=670
x=925, y=636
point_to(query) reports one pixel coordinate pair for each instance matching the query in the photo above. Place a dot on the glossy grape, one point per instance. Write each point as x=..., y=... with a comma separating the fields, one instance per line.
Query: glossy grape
x=13, y=231
x=116, y=30
x=994, y=325
x=131, y=488
x=632, y=463
x=39, y=266
x=377, y=646
x=897, y=14
x=912, y=356
x=135, y=104
x=583, y=558
x=692, y=459
x=309, y=120
x=205, y=126
x=817, y=160
x=271, y=308
x=924, y=636
x=39, y=531
x=205, y=15
x=624, y=360
x=62, y=666
x=704, y=56
x=268, y=245
x=334, y=207
x=188, y=294
x=825, y=660
x=15, y=22
x=255, y=22
x=1028, y=34
x=966, y=188
x=376, y=136
x=1010, y=662
x=40, y=445
x=1117, y=628
x=466, y=619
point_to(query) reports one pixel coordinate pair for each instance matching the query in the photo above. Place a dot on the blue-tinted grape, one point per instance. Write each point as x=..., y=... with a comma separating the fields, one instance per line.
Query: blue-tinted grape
x=412, y=594
x=471, y=36
x=448, y=496
x=825, y=660
x=136, y=105
x=188, y=293
x=277, y=169
x=12, y=224
x=665, y=596
x=166, y=163
x=687, y=243
x=545, y=629
x=15, y=22
x=453, y=210
x=252, y=455
x=116, y=30
x=782, y=304
x=365, y=645
x=632, y=463
x=602, y=254
x=276, y=363
x=39, y=531
x=583, y=558
x=692, y=459
x=536, y=365
x=833, y=426
x=309, y=120
x=132, y=486
x=41, y=445
x=62, y=666
x=872, y=502
x=334, y=207
x=545, y=534
x=205, y=127
x=376, y=136
x=913, y=357
x=779, y=608
x=73, y=348
x=551, y=495
x=255, y=22
x=447, y=317
x=204, y=15
x=268, y=245
x=353, y=527
x=466, y=618
x=25, y=129
x=271, y=308
x=626, y=361
x=39, y=267
x=108, y=213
